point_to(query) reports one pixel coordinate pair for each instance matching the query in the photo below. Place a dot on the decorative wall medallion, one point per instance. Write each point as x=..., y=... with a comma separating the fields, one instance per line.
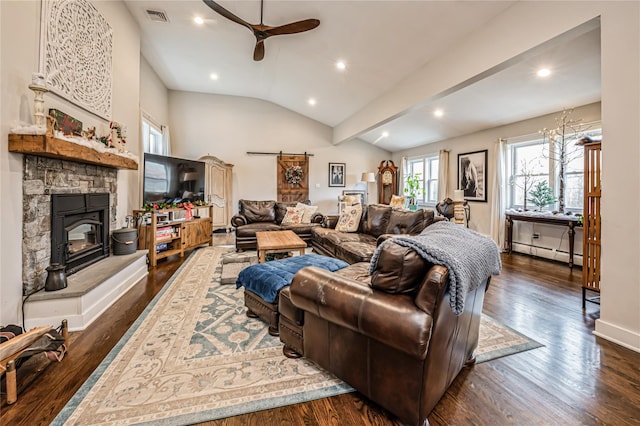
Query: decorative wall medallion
x=77, y=54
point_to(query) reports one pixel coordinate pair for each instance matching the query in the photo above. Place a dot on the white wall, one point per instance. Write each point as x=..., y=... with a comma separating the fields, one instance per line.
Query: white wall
x=154, y=96
x=228, y=126
x=19, y=44
x=154, y=102
x=620, y=295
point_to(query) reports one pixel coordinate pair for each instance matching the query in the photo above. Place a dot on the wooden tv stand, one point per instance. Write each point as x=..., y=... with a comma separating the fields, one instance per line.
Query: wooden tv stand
x=168, y=233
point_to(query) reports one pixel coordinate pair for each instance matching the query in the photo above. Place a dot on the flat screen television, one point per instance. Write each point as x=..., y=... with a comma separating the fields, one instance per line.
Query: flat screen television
x=172, y=180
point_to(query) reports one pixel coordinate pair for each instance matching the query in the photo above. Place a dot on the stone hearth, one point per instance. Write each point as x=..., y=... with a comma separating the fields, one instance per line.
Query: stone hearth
x=89, y=292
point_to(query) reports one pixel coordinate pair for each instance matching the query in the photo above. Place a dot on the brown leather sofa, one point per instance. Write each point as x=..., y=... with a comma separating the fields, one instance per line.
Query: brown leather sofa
x=256, y=216
x=392, y=335
x=377, y=220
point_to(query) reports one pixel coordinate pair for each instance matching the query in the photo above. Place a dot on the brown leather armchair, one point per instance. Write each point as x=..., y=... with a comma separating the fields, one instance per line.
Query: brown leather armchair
x=392, y=335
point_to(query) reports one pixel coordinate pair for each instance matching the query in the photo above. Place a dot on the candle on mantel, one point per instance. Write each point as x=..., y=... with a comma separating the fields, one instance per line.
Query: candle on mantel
x=458, y=195
x=37, y=79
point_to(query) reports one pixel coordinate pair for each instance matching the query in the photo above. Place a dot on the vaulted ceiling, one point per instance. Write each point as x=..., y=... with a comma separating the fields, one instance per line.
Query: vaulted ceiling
x=381, y=43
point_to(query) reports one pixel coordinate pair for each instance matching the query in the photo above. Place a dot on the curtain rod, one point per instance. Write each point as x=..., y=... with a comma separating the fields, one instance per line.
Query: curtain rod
x=277, y=153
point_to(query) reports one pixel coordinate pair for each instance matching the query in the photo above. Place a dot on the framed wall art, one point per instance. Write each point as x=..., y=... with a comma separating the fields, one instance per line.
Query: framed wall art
x=337, y=174
x=76, y=50
x=472, y=175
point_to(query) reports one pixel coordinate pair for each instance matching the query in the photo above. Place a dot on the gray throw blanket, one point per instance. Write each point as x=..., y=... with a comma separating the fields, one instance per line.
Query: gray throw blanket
x=470, y=257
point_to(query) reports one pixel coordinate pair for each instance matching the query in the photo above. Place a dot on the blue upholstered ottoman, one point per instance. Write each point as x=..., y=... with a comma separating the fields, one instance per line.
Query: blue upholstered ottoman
x=263, y=282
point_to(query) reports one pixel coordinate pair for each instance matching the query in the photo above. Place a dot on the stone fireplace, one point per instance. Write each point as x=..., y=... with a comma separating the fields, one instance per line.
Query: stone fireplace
x=44, y=177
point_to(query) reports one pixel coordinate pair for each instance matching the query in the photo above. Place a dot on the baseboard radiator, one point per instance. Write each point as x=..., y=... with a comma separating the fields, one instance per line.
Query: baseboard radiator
x=546, y=253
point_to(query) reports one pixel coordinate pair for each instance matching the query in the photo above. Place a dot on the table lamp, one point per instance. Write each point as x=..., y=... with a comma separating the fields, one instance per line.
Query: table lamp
x=368, y=177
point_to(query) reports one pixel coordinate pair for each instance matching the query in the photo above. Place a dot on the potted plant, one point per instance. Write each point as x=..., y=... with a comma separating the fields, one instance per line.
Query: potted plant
x=542, y=195
x=412, y=188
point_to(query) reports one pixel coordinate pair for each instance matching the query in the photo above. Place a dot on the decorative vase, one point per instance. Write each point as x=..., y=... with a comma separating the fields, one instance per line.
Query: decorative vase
x=56, y=277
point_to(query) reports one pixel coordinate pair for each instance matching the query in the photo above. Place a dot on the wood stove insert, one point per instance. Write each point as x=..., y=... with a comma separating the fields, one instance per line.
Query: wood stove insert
x=79, y=229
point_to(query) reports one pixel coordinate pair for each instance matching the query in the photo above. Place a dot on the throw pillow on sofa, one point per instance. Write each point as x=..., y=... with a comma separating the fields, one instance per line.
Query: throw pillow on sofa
x=351, y=200
x=349, y=219
x=281, y=208
x=308, y=212
x=293, y=216
x=397, y=202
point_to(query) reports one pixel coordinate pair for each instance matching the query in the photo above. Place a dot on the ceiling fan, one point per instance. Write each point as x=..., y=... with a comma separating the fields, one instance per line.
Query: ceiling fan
x=261, y=31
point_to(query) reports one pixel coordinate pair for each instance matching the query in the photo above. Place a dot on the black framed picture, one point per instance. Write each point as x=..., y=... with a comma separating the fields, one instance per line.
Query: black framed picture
x=472, y=175
x=337, y=174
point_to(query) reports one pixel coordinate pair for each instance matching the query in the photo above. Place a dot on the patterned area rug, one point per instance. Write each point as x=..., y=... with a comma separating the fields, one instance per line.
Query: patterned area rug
x=193, y=355
x=498, y=340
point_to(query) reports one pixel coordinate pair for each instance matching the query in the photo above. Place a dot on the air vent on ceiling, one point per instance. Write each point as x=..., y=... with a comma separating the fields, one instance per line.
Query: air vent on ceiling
x=157, y=15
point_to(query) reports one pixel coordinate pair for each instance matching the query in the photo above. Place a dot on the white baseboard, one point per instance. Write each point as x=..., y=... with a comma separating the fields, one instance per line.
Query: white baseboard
x=80, y=310
x=618, y=335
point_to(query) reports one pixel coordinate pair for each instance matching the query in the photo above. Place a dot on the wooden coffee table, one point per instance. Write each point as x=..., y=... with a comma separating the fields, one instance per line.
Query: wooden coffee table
x=278, y=241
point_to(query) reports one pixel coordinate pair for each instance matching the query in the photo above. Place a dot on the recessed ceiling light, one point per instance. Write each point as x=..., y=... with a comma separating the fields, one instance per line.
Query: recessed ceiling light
x=383, y=135
x=438, y=112
x=544, y=72
x=311, y=101
x=341, y=65
x=213, y=76
x=198, y=20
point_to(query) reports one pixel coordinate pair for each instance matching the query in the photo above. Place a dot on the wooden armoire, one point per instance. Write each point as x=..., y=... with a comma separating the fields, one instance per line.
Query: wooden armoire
x=217, y=190
x=591, y=235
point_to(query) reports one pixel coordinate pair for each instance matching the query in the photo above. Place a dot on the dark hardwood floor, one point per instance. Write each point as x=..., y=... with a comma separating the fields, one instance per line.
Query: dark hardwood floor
x=576, y=378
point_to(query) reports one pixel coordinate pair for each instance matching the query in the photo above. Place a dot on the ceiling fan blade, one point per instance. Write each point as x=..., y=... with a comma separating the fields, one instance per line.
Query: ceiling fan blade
x=224, y=12
x=258, y=52
x=294, y=27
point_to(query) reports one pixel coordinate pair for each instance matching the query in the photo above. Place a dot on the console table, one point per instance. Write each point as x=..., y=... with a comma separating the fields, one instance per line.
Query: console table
x=569, y=221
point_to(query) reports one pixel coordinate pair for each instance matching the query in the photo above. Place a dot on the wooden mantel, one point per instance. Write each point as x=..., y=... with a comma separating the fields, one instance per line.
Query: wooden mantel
x=45, y=146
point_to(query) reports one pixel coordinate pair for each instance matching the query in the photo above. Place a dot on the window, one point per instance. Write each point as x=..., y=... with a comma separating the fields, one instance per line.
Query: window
x=153, y=140
x=527, y=168
x=536, y=159
x=425, y=169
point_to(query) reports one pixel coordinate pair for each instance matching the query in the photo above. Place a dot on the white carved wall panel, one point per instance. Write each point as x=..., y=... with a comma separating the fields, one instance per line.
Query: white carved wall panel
x=77, y=54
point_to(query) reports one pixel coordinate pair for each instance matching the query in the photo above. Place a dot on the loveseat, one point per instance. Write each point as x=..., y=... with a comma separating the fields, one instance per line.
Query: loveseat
x=256, y=216
x=377, y=220
x=389, y=330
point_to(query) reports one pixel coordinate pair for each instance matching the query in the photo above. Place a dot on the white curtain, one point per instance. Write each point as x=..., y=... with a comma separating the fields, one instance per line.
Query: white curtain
x=499, y=199
x=443, y=174
x=165, y=139
x=403, y=170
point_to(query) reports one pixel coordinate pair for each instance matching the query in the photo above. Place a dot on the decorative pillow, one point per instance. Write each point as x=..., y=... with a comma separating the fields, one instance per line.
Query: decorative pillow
x=308, y=212
x=293, y=216
x=352, y=200
x=281, y=207
x=397, y=202
x=350, y=219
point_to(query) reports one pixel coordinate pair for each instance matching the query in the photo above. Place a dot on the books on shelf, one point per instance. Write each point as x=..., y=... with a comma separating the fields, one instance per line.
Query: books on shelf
x=167, y=232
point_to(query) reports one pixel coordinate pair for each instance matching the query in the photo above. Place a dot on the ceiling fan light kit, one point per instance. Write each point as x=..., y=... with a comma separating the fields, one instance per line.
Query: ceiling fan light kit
x=261, y=31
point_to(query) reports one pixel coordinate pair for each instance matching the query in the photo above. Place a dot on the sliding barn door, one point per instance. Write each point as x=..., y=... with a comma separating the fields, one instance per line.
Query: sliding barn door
x=293, y=191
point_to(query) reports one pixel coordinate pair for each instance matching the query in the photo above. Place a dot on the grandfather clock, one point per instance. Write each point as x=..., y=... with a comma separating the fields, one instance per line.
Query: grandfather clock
x=387, y=181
